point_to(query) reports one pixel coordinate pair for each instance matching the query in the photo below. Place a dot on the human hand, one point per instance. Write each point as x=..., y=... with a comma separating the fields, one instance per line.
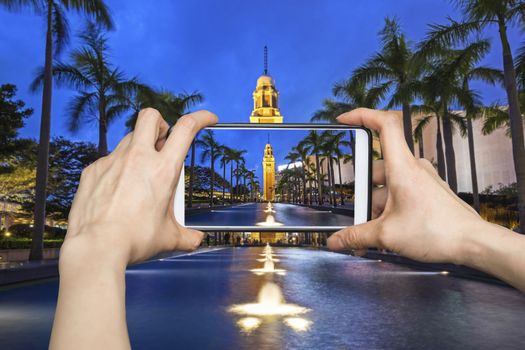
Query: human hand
x=123, y=208
x=414, y=213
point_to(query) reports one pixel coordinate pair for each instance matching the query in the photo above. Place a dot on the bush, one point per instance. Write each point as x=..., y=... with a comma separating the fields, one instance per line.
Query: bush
x=25, y=243
x=26, y=231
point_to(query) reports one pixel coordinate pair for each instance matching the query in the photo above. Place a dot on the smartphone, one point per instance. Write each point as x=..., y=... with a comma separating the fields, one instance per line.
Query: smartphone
x=276, y=177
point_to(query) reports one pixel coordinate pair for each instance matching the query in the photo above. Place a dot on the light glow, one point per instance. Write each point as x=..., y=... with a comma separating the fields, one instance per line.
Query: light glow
x=298, y=324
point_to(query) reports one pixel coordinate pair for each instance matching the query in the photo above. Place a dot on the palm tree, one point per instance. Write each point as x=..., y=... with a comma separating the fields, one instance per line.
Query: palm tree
x=353, y=96
x=395, y=68
x=305, y=160
x=478, y=15
x=238, y=158
x=103, y=90
x=210, y=150
x=292, y=157
x=313, y=144
x=338, y=144
x=327, y=150
x=433, y=110
x=226, y=157
x=490, y=76
x=57, y=36
x=445, y=84
x=171, y=106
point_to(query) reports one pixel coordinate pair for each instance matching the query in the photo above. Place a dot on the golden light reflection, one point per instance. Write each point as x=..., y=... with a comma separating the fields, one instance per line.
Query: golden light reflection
x=298, y=324
x=249, y=324
x=270, y=302
x=270, y=221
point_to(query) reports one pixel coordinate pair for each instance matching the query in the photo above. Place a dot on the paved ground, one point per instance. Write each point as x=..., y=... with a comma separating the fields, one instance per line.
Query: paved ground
x=253, y=214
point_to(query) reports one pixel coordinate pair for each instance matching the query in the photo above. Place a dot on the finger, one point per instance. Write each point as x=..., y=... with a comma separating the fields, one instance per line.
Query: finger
x=123, y=144
x=183, y=133
x=379, y=197
x=378, y=172
x=149, y=128
x=394, y=146
x=355, y=237
x=190, y=239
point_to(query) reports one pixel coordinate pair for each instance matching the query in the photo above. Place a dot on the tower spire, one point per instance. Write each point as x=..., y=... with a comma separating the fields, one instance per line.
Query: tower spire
x=265, y=60
x=268, y=138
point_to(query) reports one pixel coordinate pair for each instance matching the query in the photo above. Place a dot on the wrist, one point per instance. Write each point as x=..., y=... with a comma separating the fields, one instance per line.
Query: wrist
x=475, y=243
x=85, y=253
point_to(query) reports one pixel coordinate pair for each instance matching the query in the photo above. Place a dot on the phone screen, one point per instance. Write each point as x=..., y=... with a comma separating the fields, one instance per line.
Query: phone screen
x=271, y=178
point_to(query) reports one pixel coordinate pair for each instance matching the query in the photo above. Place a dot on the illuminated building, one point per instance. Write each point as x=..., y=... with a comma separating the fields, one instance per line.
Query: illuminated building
x=266, y=110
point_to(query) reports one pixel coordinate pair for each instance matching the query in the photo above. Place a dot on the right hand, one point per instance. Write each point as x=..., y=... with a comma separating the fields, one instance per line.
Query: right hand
x=414, y=213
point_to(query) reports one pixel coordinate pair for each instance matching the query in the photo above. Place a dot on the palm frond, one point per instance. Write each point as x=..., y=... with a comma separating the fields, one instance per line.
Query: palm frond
x=78, y=108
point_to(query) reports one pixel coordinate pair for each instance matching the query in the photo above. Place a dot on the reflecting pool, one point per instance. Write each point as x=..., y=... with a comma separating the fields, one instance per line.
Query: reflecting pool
x=337, y=302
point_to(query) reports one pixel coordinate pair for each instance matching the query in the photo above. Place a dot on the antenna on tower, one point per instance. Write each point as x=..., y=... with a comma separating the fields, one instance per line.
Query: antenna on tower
x=265, y=60
x=268, y=138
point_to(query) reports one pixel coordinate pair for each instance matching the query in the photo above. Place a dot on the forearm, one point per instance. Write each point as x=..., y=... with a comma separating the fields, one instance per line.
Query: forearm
x=91, y=310
x=496, y=250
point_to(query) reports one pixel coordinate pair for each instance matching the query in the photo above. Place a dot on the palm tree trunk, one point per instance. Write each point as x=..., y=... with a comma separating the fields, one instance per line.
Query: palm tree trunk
x=192, y=175
x=102, y=129
x=420, y=146
x=244, y=189
x=407, y=126
x=37, y=242
x=231, y=182
x=473, y=171
x=516, y=123
x=341, y=181
x=304, y=186
x=442, y=171
x=352, y=147
x=223, y=184
x=237, y=196
x=318, y=173
x=212, y=185
x=450, y=154
x=332, y=172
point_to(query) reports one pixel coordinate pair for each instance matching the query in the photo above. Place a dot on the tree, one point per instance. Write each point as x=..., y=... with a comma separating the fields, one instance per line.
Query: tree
x=103, y=90
x=353, y=96
x=66, y=162
x=226, y=157
x=490, y=76
x=394, y=68
x=210, y=150
x=339, y=143
x=170, y=105
x=478, y=15
x=237, y=157
x=12, y=116
x=313, y=144
x=57, y=35
x=445, y=85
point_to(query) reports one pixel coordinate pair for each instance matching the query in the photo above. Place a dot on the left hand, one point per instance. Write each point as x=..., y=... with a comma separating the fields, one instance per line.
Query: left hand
x=123, y=208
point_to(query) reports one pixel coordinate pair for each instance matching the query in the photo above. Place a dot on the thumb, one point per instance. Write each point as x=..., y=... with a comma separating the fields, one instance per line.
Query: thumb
x=355, y=237
x=189, y=239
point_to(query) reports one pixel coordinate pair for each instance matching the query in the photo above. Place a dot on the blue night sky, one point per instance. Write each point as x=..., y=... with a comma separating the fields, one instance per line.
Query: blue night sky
x=216, y=47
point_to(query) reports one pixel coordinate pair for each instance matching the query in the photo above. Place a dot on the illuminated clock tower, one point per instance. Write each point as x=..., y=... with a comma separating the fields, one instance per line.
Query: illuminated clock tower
x=266, y=110
x=268, y=173
x=266, y=98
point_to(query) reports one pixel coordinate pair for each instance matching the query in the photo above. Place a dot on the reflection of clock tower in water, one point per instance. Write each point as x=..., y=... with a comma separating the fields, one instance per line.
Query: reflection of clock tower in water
x=266, y=110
